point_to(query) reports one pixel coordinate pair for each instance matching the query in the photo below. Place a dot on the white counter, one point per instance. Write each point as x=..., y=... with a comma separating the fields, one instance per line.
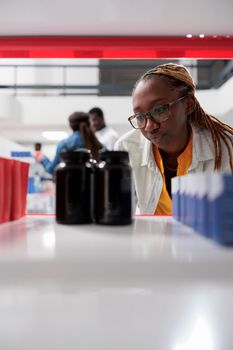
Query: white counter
x=152, y=285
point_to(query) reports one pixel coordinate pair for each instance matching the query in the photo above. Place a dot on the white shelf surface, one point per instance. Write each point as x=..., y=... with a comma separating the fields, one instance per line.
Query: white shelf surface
x=155, y=284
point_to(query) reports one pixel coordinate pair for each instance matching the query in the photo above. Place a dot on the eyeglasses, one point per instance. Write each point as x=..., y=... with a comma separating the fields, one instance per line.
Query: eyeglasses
x=157, y=114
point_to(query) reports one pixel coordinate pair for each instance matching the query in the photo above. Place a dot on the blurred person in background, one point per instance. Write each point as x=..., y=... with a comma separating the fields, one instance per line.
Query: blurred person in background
x=172, y=136
x=82, y=137
x=105, y=134
x=38, y=152
x=39, y=177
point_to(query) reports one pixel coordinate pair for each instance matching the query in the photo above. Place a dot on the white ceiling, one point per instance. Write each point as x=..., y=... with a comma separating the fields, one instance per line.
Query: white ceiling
x=116, y=17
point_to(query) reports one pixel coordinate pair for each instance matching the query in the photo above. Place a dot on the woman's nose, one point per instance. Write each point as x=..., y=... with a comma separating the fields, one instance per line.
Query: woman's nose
x=151, y=125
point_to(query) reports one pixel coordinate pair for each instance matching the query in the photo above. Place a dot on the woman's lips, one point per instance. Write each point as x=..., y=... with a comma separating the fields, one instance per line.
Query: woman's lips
x=155, y=136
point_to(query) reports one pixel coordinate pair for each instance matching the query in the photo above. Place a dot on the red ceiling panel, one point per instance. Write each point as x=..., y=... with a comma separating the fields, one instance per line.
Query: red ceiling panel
x=116, y=47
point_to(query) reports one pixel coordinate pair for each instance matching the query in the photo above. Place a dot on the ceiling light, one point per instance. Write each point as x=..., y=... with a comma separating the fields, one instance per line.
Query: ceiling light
x=54, y=135
x=189, y=35
x=201, y=35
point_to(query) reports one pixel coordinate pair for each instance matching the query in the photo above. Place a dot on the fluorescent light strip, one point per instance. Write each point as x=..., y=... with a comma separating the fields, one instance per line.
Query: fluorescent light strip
x=54, y=135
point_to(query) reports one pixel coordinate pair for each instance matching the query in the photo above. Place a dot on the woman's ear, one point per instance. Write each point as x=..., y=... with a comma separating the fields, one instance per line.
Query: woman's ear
x=191, y=104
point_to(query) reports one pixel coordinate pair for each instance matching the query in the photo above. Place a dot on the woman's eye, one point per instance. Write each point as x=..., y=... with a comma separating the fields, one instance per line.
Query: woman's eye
x=140, y=117
x=159, y=110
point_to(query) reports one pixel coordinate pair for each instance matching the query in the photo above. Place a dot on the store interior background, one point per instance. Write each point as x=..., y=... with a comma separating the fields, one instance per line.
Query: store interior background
x=57, y=87
x=70, y=56
x=25, y=114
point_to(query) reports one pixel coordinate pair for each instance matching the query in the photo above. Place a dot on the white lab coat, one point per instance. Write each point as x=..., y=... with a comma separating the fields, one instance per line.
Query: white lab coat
x=107, y=136
x=147, y=176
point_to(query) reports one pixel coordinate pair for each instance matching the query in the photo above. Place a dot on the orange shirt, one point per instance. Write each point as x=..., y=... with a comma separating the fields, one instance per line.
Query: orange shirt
x=184, y=160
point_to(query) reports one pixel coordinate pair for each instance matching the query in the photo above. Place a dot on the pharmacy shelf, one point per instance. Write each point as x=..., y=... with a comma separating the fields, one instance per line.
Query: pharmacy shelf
x=155, y=284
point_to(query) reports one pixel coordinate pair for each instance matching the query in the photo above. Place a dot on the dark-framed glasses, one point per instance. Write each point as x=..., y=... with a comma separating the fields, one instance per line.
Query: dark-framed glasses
x=157, y=114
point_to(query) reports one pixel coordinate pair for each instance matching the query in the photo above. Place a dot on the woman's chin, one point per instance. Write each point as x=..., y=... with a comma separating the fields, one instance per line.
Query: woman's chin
x=157, y=140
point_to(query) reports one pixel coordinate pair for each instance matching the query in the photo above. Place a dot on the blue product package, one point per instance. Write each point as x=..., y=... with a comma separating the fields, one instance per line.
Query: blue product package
x=221, y=208
x=176, y=197
x=31, y=185
x=182, y=199
x=191, y=202
x=187, y=212
x=202, y=221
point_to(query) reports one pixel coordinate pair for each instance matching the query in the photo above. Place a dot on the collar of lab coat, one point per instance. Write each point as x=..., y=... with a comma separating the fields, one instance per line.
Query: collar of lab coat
x=203, y=149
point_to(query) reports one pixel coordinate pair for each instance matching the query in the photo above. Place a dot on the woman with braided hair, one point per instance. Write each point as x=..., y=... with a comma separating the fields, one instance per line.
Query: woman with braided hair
x=82, y=137
x=173, y=136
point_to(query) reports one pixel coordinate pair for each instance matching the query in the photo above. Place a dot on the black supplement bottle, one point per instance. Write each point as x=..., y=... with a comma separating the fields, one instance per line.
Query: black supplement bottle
x=112, y=195
x=73, y=188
